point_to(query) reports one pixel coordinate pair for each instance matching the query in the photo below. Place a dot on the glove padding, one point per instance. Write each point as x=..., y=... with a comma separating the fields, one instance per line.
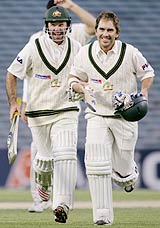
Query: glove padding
x=124, y=101
x=73, y=96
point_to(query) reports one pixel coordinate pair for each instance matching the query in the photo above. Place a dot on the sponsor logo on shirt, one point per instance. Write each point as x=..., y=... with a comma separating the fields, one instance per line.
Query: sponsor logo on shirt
x=40, y=76
x=146, y=65
x=99, y=81
x=19, y=60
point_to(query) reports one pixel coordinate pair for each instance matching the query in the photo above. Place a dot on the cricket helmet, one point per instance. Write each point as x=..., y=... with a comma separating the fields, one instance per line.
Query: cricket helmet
x=135, y=112
x=57, y=13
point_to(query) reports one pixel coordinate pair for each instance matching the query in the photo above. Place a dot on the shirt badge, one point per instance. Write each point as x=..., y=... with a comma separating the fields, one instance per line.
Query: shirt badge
x=107, y=86
x=55, y=83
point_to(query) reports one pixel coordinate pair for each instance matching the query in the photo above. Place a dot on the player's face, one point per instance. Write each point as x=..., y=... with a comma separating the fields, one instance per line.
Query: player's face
x=106, y=34
x=57, y=31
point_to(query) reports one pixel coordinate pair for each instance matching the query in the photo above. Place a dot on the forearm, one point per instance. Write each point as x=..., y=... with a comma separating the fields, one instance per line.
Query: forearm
x=11, y=88
x=145, y=86
x=76, y=85
x=87, y=18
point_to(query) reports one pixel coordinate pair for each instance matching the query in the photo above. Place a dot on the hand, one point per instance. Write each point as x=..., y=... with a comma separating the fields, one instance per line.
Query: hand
x=65, y=3
x=122, y=100
x=119, y=100
x=79, y=87
x=13, y=109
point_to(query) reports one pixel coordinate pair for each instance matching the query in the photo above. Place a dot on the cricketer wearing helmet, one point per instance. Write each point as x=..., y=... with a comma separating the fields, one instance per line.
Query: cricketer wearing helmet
x=82, y=32
x=109, y=66
x=52, y=118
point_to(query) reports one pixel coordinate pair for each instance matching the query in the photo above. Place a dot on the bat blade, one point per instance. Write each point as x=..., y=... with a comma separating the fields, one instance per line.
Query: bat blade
x=13, y=137
x=12, y=140
x=90, y=99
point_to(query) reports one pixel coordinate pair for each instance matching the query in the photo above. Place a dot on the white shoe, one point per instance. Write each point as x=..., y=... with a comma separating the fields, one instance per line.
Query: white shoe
x=36, y=207
x=102, y=222
x=46, y=204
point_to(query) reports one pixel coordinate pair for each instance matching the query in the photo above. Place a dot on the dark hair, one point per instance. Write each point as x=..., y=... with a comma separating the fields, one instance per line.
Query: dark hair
x=50, y=4
x=109, y=15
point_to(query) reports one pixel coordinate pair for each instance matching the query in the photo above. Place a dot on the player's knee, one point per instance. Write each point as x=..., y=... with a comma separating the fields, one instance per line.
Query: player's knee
x=66, y=154
x=65, y=147
x=97, y=160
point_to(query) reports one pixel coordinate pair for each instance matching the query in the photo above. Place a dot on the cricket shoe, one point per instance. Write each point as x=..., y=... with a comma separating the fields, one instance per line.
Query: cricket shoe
x=40, y=206
x=36, y=207
x=61, y=213
x=46, y=204
x=44, y=193
x=102, y=222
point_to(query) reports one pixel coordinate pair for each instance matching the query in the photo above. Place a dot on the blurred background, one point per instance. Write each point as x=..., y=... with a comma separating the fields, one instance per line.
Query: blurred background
x=140, y=26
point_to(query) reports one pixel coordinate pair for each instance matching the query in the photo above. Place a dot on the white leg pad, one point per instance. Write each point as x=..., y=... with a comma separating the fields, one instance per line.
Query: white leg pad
x=43, y=170
x=98, y=168
x=125, y=181
x=65, y=169
x=33, y=185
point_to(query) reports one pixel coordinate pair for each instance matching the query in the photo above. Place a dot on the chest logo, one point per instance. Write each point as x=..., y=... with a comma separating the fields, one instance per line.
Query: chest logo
x=107, y=86
x=55, y=83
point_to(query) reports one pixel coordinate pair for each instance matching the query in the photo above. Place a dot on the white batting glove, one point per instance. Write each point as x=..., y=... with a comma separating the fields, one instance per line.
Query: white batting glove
x=73, y=96
x=119, y=100
x=122, y=100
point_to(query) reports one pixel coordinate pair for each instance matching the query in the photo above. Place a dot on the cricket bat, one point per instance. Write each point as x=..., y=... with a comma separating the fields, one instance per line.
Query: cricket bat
x=13, y=136
x=89, y=98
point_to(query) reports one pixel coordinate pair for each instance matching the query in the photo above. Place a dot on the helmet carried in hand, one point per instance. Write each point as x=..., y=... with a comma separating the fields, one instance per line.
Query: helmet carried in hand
x=135, y=112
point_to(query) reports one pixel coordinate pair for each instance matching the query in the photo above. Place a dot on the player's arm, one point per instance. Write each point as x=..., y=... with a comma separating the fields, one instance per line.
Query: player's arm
x=76, y=84
x=11, y=90
x=87, y=18
x=82, y=87
x=145, y=86
x=24, y=101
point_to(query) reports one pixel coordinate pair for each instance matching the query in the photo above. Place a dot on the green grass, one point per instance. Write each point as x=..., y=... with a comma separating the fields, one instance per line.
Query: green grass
x=11, y=195
x=81, y=218
x=124, y=218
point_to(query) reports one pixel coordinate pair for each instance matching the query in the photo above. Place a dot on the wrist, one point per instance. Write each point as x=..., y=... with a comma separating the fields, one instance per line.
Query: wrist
x=72, y=81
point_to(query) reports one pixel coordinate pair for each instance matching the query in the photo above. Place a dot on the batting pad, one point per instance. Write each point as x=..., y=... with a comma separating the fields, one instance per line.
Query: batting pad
x=65, y=167
x=65, y=176
x=101, y=195
x=98, y=159
x=98, y=168
x=43, y=168
x=33, y=185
